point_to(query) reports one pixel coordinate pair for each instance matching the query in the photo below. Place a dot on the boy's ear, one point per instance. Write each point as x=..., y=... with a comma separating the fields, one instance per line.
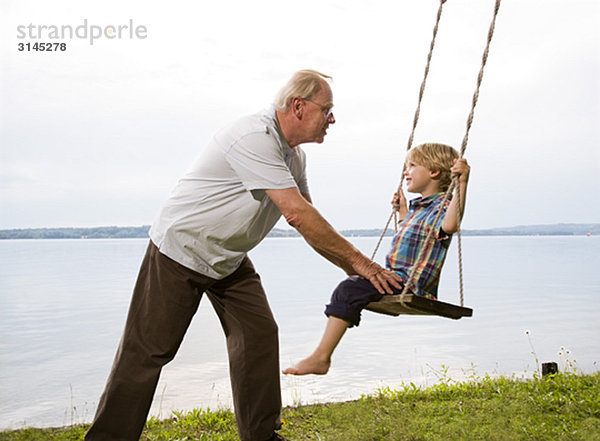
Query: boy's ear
x=435, y=174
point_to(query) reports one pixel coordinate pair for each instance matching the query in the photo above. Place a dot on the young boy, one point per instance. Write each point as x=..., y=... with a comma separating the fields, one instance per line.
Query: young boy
x=428, y=171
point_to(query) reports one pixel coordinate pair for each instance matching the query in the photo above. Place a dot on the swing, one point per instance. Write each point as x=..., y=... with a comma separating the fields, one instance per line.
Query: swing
x=405, y=302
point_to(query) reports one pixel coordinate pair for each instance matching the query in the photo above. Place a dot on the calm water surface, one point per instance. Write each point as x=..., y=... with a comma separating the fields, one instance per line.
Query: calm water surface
x=63, y=305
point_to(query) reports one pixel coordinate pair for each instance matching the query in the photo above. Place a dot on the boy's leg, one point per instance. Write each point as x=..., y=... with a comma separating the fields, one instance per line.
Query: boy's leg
x=350, y=297
x=163, y=304
x=320, y=360
x=253, y=347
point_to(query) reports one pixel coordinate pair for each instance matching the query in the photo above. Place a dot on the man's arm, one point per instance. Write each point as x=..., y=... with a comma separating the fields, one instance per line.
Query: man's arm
x=330, y=257
x=333, y=259
x=301, y=215
x=450, y=222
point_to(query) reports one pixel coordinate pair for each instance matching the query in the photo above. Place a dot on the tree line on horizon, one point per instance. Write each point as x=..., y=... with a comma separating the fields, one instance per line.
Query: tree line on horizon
x=114, y=232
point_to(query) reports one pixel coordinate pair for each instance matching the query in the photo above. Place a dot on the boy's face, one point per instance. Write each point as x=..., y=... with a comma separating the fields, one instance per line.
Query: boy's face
x=419, y=179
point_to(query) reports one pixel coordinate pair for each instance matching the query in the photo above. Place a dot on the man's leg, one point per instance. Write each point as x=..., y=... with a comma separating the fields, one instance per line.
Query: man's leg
x=253, y=346
x=164, y=301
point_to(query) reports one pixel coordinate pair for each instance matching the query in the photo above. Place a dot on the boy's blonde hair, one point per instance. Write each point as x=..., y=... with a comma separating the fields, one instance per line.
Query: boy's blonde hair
x=436, y=157
x=304, y=84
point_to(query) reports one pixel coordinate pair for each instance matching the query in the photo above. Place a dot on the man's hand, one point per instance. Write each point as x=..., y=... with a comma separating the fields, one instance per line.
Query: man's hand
x=380, y=278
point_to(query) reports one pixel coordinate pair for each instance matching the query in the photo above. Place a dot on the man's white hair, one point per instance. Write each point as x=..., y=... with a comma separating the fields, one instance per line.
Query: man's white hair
x=304, y=84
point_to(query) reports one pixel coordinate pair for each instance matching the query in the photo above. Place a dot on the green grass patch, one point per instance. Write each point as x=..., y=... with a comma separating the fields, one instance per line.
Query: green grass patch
x=560, y=407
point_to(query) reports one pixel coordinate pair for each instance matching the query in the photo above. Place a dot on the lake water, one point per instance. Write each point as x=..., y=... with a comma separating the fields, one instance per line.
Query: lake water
x=63, y=305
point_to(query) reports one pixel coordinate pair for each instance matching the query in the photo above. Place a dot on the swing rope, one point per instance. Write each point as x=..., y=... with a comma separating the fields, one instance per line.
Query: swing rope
x=463, y=148
x=414, y=126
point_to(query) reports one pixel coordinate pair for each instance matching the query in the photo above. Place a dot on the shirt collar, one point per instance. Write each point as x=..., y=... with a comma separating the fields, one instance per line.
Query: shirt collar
x=424, y=202
x=272, y=123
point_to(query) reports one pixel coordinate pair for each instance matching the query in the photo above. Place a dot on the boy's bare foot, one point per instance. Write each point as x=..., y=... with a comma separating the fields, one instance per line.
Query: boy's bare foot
x=310, y=365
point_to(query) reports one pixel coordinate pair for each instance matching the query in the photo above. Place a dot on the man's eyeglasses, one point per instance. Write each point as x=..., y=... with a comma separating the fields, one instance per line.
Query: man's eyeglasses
x=327, y=110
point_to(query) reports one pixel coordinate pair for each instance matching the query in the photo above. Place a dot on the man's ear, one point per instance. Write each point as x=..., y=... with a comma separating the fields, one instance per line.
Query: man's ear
x=297, y=107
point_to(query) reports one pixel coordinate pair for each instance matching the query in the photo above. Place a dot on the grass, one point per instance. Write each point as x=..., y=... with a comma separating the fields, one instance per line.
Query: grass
x=565, y=406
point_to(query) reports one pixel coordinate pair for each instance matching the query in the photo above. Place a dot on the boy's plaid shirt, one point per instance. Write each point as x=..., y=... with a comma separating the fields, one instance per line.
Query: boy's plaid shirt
x=411, y=236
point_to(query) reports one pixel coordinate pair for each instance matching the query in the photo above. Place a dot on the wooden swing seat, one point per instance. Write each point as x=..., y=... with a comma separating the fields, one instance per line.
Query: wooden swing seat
x=418, y=305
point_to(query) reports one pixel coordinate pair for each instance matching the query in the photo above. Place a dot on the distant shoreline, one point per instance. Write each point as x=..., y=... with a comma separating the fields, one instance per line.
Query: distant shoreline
x=133, y=232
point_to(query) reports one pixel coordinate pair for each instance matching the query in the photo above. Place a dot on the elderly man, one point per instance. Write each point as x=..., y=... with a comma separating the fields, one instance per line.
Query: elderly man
x=249, y=174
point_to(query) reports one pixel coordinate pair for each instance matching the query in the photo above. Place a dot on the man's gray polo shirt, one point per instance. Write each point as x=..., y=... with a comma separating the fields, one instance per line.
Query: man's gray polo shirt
x=219, y=209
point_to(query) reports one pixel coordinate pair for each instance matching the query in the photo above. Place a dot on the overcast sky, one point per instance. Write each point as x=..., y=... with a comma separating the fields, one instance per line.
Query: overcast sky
x=99, y=134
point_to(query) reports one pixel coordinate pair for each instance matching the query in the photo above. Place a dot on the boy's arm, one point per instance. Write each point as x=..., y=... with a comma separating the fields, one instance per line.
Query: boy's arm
x=400, y=205
x=450, y=222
